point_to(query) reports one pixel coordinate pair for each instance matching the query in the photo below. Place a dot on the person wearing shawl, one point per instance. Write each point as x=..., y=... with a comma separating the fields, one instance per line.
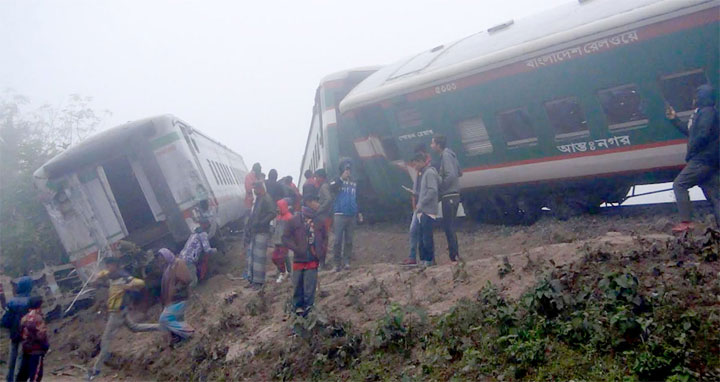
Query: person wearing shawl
x=174, y=294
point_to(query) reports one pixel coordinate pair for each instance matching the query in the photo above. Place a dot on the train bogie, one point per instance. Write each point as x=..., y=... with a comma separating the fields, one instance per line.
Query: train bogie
x=149, y=182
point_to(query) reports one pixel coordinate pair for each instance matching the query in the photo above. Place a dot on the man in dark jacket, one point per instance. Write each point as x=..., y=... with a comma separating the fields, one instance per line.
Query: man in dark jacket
x=16, y=308
x=264, y=211
x=304, y=237
x=449, y=171
x=309, y=188
x=702, y=157
x=324, y=210
x=273, y=187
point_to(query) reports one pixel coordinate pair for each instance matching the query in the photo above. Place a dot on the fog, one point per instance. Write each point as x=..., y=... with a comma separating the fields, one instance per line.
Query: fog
x=245, y=73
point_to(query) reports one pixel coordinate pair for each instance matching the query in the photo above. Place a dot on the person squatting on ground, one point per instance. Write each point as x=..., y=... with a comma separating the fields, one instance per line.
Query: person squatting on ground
x=703, y=159
x=450, y=173
x=414, y=230
x=346, y=211
x=16, y=308
x=324, y=210
x=427, y=206
x=119, y=282
x=303, y=235
x=196, y=253
x=280, y=252
x=174, y=293
x=258, y=235
x=35, y=342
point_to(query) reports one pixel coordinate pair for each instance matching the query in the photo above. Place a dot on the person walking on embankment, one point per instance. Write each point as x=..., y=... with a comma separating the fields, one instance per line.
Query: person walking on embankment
x=702, y=158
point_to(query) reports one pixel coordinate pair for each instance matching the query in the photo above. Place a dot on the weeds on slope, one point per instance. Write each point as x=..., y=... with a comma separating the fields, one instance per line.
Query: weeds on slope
x=650, y=313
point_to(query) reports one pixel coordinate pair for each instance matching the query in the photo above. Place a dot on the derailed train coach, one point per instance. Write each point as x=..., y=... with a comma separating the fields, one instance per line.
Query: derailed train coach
x=563, y=110
x=147, y=182
x=328, y=139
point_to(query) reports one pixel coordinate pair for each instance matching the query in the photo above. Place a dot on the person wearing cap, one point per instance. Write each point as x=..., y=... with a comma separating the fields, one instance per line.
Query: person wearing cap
x=258, y=229
x=426, y=209
x=196, y=252
x=304, y=235
x=118, y=282
x=346, y=211
x=324, y=210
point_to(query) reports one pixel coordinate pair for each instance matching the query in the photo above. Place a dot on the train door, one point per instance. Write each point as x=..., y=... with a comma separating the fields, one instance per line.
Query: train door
x=131, y=200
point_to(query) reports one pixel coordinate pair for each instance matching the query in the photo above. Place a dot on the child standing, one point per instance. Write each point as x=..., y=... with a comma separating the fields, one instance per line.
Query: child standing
x=35, y=342
x=280, y=253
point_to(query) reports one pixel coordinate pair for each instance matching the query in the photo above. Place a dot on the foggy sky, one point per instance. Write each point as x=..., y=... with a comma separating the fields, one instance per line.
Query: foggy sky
x=243, y=72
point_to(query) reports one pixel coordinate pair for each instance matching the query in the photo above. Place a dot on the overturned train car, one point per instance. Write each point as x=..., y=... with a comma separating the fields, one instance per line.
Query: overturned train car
x=146, y=182
x=562, y=110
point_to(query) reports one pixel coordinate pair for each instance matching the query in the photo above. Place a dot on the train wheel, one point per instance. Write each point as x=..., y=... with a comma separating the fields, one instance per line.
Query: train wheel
x=529, y=210
x=565, y=206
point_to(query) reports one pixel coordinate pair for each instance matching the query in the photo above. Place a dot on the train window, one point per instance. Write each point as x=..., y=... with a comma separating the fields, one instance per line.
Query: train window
x=232, y=175
x=517, y=128
x=227, y=174
x=679, y=89
x=219, y=174
x=623, y=107
x=213, y=172
x=567, y=118
x=474, y=137
x=408, y=117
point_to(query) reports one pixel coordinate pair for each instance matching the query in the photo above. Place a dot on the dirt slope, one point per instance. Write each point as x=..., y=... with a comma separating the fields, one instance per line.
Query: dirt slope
x=237, y=322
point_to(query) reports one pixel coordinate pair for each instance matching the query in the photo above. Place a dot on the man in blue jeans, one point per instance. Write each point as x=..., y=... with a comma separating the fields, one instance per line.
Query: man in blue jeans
x=427, y=207
x=345, y=212
x=414, y=230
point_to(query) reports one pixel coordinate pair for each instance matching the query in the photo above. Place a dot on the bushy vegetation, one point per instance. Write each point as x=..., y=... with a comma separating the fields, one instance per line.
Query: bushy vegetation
x=646, y=315
x=28, y=138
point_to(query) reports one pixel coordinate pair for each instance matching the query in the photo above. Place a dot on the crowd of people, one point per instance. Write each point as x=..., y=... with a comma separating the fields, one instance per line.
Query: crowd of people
x=292, y=229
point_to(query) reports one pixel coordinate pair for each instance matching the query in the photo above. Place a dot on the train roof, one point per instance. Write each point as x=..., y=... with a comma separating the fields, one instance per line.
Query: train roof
x=102, y=145
x=506, y=43
x=341, y=75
